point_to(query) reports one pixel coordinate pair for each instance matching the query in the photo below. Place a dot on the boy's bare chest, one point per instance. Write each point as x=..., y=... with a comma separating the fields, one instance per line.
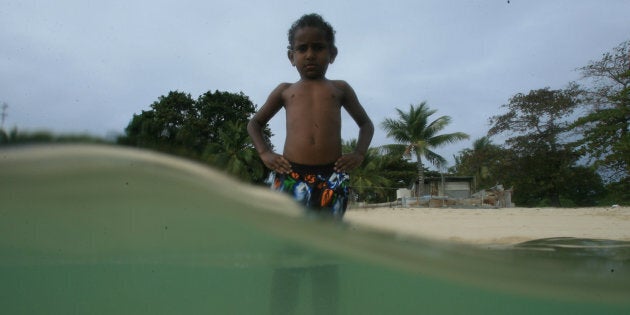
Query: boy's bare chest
x=314, y=96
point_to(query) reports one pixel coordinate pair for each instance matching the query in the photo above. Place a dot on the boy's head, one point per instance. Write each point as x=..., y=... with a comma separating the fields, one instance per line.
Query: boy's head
x=316, y=21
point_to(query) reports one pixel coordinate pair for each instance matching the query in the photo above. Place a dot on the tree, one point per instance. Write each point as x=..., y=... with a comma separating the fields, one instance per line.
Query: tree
x=235, y=154
x=420, y=137
x=167, y=127
x=380, y=174
x=606, y=126
x=205, y=129
x=401, y=172
x=368, y=181
x=14, y=137
x=539, y=159
x=217, y=109
x=585, y=189
x=481, y=161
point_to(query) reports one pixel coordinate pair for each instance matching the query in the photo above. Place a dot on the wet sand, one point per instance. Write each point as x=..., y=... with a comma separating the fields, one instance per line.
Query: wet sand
x=497, y=226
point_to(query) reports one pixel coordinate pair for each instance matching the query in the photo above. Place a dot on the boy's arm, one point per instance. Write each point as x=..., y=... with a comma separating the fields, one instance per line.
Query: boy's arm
x=255, y=127
x=351, y=103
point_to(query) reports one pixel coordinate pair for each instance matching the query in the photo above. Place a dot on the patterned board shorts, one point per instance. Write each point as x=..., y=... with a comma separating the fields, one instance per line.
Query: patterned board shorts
x=319, y=188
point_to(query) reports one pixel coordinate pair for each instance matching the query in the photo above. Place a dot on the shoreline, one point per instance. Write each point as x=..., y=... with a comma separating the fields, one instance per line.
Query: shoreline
x=496, y=226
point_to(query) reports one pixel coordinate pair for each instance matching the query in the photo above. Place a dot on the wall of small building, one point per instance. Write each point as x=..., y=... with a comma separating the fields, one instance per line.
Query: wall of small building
x=450, y=187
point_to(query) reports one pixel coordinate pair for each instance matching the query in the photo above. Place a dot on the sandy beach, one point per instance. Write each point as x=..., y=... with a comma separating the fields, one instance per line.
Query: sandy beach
x=497, y=226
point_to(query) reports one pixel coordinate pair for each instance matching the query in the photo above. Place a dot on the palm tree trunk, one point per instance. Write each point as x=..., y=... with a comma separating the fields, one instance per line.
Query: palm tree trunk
x=420, y=176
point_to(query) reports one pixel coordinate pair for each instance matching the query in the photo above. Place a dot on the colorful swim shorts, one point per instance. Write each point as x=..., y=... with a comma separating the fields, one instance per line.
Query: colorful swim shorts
x=318, y=187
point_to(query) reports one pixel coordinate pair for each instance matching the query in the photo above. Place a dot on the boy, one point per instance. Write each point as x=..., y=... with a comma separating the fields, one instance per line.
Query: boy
x=312, y=168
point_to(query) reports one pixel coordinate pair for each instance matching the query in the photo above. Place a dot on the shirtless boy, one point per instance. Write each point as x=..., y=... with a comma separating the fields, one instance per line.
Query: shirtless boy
x=312, y=168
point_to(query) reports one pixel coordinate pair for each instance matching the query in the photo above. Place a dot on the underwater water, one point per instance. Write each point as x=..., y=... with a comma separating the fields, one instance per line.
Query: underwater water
x=107, y=230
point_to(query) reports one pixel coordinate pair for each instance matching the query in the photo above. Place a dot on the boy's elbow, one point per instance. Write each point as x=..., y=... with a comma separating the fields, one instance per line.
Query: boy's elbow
x=253, y=126
x=368, y=126
x=367, y=130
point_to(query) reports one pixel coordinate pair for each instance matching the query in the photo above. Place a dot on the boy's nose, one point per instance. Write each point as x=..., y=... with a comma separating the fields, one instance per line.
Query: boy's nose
x=310, y=53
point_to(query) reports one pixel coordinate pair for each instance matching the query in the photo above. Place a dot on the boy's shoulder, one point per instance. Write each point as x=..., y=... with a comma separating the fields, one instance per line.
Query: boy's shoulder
x=342, y=84
x=284, y=85
x=281, y=88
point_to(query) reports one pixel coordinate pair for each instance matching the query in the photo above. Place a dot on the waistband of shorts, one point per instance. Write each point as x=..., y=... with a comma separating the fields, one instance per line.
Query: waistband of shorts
x=313, y=169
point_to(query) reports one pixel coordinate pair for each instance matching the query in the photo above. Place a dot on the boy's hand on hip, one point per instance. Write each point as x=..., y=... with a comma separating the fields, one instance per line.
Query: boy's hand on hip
x=276, y=162
x=348, y=162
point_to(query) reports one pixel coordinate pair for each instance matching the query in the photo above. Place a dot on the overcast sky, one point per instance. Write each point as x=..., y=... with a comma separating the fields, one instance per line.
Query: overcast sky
x=88, y=66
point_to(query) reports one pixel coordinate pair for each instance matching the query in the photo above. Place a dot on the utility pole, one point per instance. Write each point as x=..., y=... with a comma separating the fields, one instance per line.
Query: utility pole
x=3, y=114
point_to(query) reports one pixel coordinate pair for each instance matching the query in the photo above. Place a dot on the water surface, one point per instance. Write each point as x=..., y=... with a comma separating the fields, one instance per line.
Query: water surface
x=105, y=230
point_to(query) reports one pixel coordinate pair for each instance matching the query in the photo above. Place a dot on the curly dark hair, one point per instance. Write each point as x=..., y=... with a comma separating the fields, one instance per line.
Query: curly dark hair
x=312, y=20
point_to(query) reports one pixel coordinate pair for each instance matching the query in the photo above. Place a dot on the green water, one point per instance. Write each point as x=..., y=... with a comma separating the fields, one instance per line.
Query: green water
x=104, y=230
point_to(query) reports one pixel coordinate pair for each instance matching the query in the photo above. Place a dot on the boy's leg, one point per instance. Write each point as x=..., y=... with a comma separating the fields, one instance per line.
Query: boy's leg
x=285, y=287
x=325, y=280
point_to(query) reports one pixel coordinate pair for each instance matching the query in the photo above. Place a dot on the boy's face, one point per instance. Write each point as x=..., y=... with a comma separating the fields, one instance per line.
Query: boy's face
x=311, y=53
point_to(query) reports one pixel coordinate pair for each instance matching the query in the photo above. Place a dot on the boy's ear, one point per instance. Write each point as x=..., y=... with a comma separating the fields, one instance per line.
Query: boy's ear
x=290, y=56
x=333, y=54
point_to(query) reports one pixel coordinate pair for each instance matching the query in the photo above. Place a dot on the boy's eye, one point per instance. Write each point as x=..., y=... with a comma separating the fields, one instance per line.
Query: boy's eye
x=314, y=47
x=318, y=47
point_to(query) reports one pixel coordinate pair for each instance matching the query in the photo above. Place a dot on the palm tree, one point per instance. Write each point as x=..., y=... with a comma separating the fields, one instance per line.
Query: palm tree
x=481, y=161
x=235, y=154
x=368, y=181
x=419, y=136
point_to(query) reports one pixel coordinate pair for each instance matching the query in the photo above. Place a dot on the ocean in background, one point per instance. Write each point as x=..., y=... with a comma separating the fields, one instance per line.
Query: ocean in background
x=109, y=230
